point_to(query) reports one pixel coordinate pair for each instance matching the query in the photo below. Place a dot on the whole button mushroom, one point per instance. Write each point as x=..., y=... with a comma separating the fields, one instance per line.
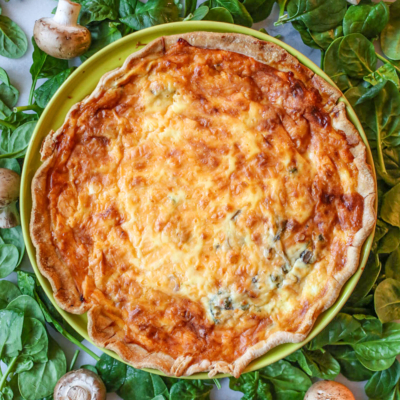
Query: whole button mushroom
x=328, y=390
x=81, y=384
x=9, y=193
x=61, y=36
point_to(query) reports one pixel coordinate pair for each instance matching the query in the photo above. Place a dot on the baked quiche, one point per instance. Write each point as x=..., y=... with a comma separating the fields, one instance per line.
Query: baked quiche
x=203, y=205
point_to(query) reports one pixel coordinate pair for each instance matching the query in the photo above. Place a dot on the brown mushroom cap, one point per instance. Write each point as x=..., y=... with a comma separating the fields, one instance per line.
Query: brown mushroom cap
x=9, y=187
x=81, y=384
x=61, y=36
x=323, y=390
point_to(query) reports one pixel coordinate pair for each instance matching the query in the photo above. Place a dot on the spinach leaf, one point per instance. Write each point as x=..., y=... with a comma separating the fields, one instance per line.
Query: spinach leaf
x=44, y=93
x=26, y=283
x=220, y=14
x=8, y=292
x=357, y=55
x=15, y=237
x=8, y=259
x=141, y=385
x=39, y=381
x=324, y=39
x=334, y=68
x=262, y=12
x=98, y=10
x=341, y=327
x=305, y=35
x=198, y=15
x=350, y=366
x=112, y=372
x=23, y=364
x=390, y=36
x=367, y=19
x=19, y=140
x=190, y=390
x=11, y=323
x=187, y=7
x=286, y=379
x=385, y=348
x=392, y=265
x=317, y=15
x=367, y=280
x=239, y=13
x=127, y=7
x=154, y=12
x=387, y=72
x=13, y=41
x=259, y=9
x=390, y=206
x=252, y=386
x=90, y=368
x=387, y=300
x=391, y=160
x=377, y=364
x=13, y=384
x=390, y=242
x=34, y=340
x=380, y=117
x=27, y=306
x=102, y=35
x=4, y=76
x=10, y=163
x=382, y=382
x=8, y=95
x=43, y=66
x=316, y=363
x=370, y=93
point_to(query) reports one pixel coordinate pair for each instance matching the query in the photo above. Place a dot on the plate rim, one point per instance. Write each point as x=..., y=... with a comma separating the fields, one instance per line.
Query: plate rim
x=278, y=352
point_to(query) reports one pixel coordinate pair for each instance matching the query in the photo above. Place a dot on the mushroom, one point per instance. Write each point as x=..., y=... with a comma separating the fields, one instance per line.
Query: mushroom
x=61, y=36
x=323, y=390
x=81, y=384
x=9, y=193
x=355, y=2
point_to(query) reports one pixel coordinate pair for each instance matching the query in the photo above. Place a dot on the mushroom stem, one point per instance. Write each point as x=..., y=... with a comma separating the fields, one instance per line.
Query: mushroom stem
x=9, y=216
x=67, y=13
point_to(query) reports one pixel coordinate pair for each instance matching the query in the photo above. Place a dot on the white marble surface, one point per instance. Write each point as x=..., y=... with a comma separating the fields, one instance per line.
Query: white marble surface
x=25, y=12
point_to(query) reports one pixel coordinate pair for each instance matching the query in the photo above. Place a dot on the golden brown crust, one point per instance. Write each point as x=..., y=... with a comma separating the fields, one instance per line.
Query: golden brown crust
x=100, y=326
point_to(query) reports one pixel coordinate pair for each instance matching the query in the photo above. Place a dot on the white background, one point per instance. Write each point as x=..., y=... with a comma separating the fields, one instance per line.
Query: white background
x=24, y=13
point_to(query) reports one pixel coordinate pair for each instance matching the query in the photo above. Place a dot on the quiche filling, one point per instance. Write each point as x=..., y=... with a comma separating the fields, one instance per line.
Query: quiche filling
x=202, y=202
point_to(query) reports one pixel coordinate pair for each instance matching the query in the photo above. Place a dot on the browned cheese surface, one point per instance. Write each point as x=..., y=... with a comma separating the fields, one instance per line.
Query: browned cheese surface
x=204, y=203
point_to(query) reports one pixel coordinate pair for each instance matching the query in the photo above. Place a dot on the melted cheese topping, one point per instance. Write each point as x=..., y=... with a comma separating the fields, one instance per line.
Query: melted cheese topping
x=204, y=202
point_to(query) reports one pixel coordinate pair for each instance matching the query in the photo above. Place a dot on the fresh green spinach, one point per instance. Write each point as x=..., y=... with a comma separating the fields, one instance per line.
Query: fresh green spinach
x=390, y=37
x=154, y=12
x=45, y=92
x=13, y=41
x=99, y=10
x=367, y=19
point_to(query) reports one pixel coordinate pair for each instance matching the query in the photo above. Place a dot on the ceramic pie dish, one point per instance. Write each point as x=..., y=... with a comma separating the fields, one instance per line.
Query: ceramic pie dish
x=310, y=264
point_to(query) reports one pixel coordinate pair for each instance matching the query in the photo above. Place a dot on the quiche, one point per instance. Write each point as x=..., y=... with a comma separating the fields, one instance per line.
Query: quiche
x=203, y=205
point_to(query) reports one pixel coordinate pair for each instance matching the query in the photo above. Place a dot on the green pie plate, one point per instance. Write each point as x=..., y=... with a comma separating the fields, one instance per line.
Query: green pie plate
x=81, y=83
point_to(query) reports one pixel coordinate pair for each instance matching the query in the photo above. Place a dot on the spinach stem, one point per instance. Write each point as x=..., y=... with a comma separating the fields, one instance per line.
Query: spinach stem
x=32, y=107
x=322, y=58
x=217, y=384
x=73, y=361
x=7, y=124
x=9, y=369
x=386, y=61
x=81, y=346
x=30, y=101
